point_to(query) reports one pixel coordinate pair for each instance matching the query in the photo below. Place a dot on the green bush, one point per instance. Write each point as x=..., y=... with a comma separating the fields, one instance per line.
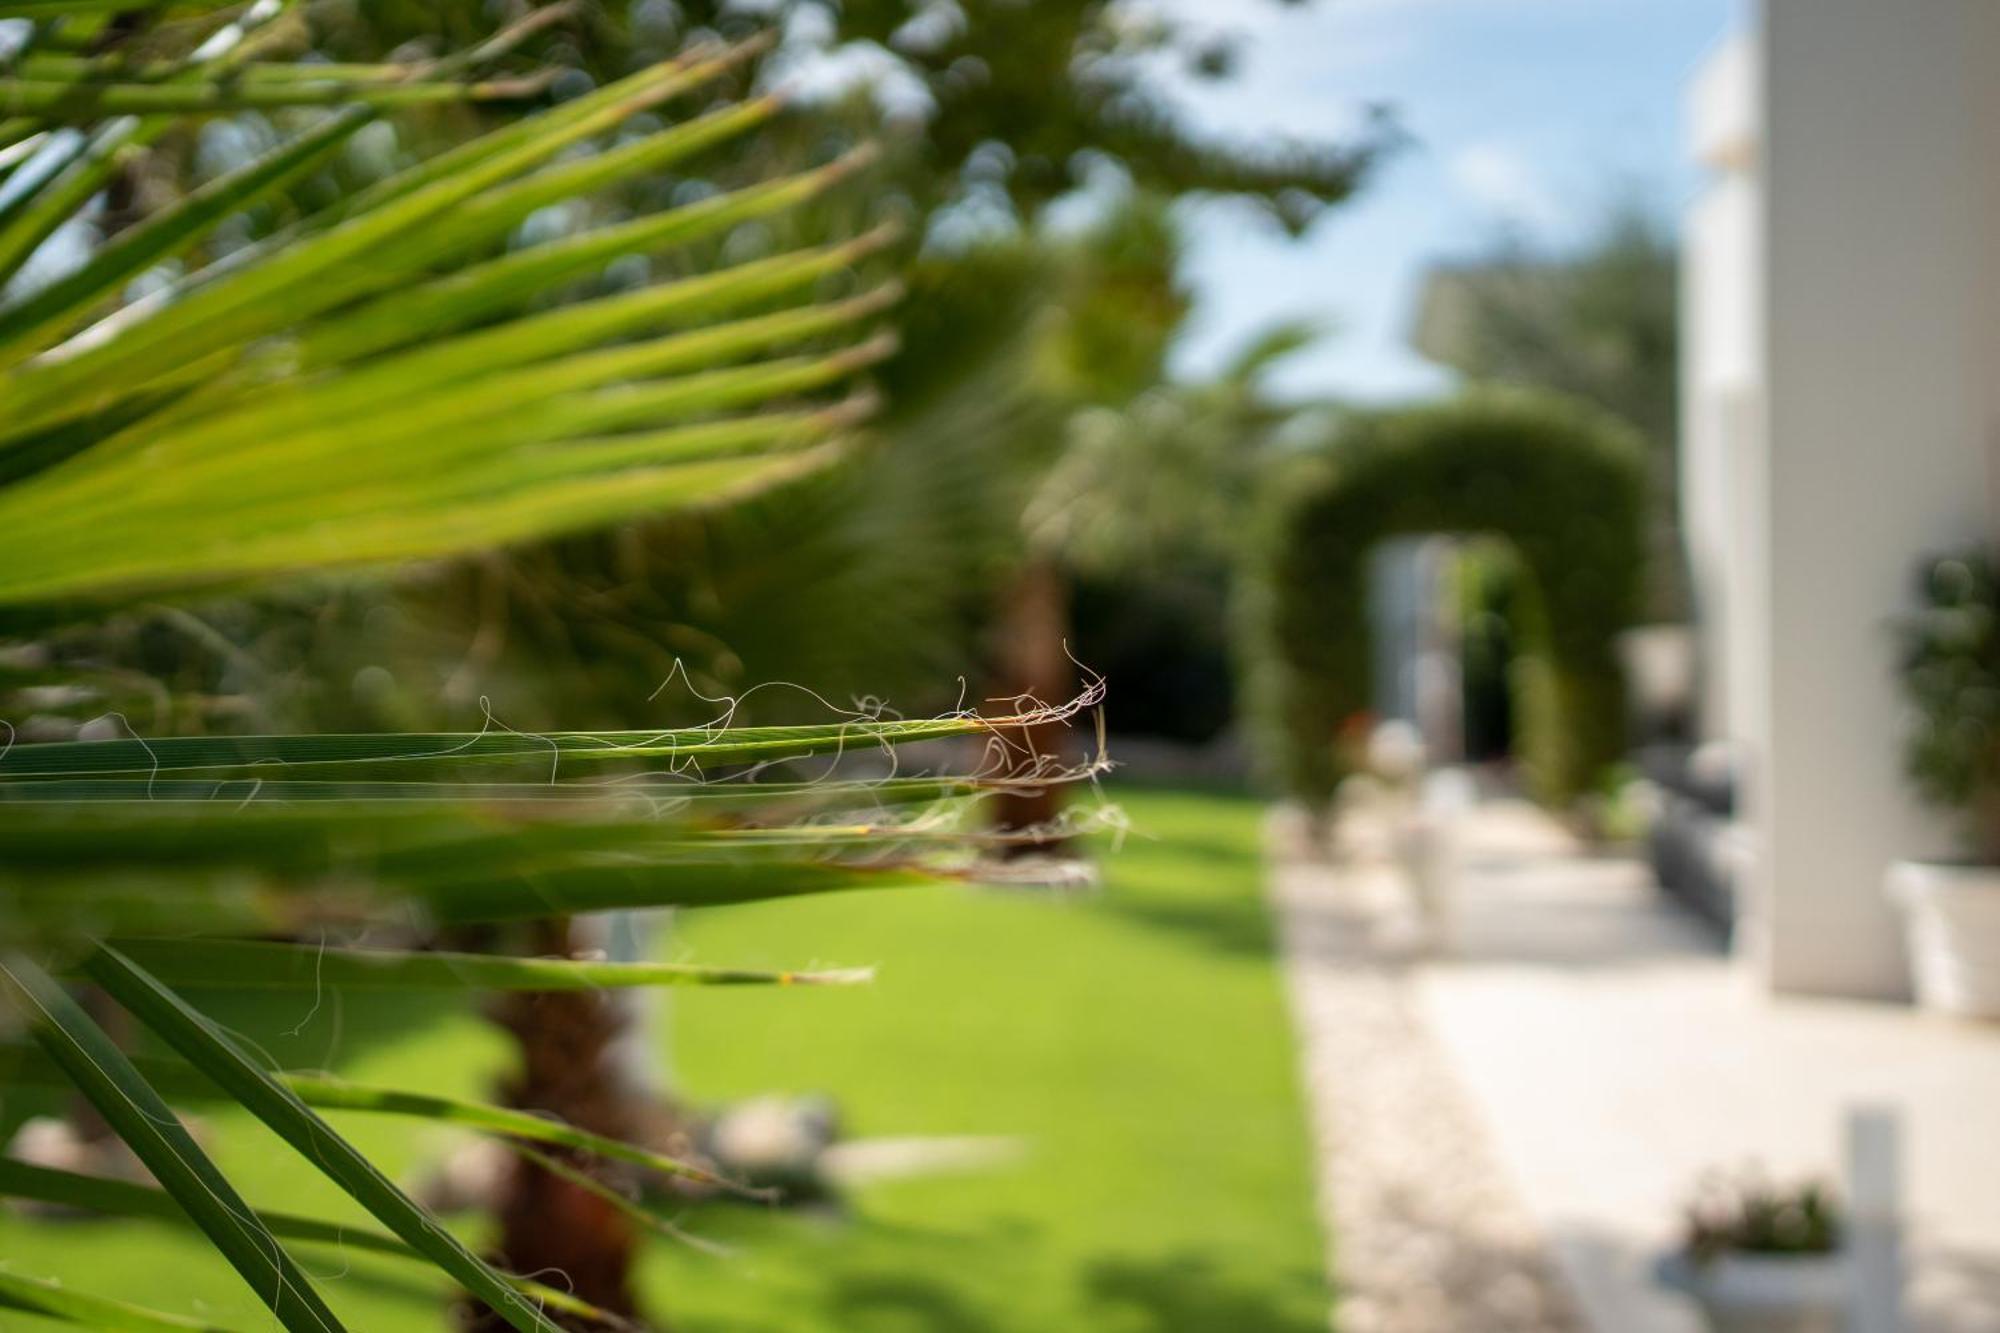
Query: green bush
x=1951, y=676
x=1559, y=481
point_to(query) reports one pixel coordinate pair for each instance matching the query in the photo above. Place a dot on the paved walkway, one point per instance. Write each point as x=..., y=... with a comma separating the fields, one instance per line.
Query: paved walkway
x=1425, y=1232
x=1507, y=1132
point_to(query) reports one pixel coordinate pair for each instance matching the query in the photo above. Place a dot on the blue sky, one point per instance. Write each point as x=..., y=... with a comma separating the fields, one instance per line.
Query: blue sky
x=1529, y=115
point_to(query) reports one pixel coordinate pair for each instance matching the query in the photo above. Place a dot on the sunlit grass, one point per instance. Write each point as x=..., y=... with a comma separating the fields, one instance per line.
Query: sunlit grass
x=1135, y=1039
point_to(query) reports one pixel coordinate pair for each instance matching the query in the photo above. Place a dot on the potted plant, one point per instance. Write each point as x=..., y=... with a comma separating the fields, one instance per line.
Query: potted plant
x=1762, y=1258
x=1951, y=674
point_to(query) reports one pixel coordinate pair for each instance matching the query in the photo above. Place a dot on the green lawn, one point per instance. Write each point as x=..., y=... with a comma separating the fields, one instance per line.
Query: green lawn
x=1135, y=1040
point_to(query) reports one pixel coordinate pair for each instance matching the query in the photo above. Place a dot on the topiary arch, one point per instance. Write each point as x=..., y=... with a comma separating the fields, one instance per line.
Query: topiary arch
x=1559, y=481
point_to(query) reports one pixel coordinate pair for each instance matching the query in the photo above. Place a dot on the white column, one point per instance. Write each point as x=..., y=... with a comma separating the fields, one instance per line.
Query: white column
x=1722, y=374
x=1882, y=274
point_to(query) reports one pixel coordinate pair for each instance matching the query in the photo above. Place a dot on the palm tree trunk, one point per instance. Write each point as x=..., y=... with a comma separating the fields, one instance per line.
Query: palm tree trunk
x=1034, y=664
x=569, y=1069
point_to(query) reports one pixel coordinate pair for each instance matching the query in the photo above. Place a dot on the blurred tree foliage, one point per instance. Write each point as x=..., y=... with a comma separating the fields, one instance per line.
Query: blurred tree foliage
x=875, y=578
x=881, y=576
x=1600, y=324
x=1147, y=506
x=981, y=102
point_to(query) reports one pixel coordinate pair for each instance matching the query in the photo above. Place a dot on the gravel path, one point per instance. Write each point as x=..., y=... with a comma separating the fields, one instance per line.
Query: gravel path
x=1425, y=1234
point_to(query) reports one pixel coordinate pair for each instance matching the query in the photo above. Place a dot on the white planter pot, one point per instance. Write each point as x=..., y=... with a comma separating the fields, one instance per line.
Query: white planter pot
x=1952, y=914
x=1771, y=1293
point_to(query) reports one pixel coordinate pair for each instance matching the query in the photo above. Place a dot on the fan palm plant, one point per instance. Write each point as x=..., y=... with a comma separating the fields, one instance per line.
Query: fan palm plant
x=379, y=381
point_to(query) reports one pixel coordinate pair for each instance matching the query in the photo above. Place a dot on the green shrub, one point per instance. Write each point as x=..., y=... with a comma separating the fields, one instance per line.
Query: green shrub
x=1562, y=483
x=1951, y=676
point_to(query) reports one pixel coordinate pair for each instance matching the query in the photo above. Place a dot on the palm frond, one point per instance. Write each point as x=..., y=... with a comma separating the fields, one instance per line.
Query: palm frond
x=395, y=376
x=123, y=1198
x=140, y=438
x=137, y=1113
x=209, y=1049
x=273, y=965
x=180, y=1083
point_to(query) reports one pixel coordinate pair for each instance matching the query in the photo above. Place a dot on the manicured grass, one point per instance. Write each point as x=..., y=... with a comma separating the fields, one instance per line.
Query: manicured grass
x=407, y=1041
x=1134, y=1040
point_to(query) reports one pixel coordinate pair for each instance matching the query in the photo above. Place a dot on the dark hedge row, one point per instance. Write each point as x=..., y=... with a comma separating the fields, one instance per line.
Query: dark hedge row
x=1562, y=482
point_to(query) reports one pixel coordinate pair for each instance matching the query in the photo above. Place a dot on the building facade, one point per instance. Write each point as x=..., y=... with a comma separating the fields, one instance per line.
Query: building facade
x=1841, y=419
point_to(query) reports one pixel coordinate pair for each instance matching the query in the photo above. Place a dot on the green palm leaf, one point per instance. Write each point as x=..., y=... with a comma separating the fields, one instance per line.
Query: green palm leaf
x=394, y=377
x=121, y=1198
x=102, y=1073
x=141, y=447
x=204, y=1046
x=264, y=965
x=179, y=1082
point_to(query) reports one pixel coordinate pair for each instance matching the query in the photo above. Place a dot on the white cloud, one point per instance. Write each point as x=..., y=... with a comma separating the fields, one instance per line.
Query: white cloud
x=1501, y=181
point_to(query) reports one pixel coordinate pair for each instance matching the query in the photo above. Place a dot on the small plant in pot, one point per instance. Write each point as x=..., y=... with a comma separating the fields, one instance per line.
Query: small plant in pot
x=1763, y=1258
x=1951, y=677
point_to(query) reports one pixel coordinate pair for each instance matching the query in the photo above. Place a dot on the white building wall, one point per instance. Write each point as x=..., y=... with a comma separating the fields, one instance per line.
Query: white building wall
x=1881, y=398
x=1722, y=377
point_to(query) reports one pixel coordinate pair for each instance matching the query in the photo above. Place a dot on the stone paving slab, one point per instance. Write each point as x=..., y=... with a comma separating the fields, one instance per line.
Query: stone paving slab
x=1506, y=1132
x=1616, y=1054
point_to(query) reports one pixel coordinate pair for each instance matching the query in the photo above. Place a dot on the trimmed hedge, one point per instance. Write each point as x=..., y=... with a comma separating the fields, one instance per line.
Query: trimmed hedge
x=1560, y=481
